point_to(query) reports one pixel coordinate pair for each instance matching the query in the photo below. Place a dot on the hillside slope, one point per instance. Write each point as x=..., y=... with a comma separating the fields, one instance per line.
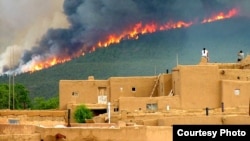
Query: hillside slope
x=149, y=55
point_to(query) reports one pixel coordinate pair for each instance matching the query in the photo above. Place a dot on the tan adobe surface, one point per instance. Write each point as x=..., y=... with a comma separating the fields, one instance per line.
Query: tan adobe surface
x=143, y=108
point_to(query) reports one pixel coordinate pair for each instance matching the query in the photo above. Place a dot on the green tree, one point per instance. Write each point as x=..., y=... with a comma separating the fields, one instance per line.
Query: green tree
x=4, y=96
x=40, y=103
x=21, y=99
x=82, y=113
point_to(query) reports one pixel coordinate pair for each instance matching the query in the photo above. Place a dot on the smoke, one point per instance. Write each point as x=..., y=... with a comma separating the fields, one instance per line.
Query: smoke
x=41, y=32
x=22, y=25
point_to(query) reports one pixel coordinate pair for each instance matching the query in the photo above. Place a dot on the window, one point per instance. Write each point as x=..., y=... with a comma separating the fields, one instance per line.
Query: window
x=102, y=95
x=237, y=92
x=133, y=89
x=152, y=106
x=102, y=90
x=74, y=93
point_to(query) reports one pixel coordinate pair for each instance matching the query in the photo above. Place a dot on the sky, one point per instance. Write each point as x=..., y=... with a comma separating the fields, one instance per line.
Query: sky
x=35, y=30
x=23, y=23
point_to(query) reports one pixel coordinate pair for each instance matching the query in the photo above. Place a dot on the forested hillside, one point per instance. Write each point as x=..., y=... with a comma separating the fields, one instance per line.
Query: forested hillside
x=151, y=54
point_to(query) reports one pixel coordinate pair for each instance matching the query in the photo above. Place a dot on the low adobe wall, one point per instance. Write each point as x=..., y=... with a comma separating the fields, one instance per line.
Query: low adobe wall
x=100, y=132
x=42, y=113
x=239, y=119
x=34, y=117
x=169, y=121
x=140, y=103
x=133, y=133
x=232, y=115
x=18, y=133
x=202, y=120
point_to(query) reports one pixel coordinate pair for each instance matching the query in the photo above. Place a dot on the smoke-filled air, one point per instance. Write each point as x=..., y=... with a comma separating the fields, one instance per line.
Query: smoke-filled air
x=37, y=34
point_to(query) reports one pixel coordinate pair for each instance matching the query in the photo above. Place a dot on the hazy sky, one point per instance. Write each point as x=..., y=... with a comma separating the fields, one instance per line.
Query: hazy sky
x=24, y=22
x=37, y=29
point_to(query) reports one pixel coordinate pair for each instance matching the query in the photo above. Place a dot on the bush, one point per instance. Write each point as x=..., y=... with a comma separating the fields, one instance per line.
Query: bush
x=81, y=113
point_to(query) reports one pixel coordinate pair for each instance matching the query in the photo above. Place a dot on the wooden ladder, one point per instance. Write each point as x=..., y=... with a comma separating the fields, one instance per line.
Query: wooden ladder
x=171, y=93
x=156, y=83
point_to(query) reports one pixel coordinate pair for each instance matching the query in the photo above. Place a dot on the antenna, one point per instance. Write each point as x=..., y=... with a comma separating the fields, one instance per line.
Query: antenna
x=177, y=63
x=155, y=70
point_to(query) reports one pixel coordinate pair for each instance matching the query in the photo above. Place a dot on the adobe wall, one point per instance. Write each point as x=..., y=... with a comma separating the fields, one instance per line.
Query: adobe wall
x=133, y=133
x=140, y=103
x=160, y=129
x=204, y=120
x=228, y=65
x=90, y=132
x=165, y=85
x=235, y=93
x=235, y=74
x=81, y=91
x=169, y=121
x=206, y=81
x=176, y=81
x=245, y=63
x=232, y=115
x=18, y=133
x=131, y=86
x=17, y=129
x=87, y=90
x=7, y=134
x=35, y=117
x=244, y=119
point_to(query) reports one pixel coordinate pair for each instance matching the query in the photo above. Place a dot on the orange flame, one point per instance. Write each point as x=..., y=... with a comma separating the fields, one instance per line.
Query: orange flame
x=221, y=16
x=46, y=64
x=133, y=33
x=139, y=28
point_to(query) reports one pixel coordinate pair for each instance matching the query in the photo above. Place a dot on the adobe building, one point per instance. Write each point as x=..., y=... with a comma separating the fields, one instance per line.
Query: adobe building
x=205, y=85
x=141, y=108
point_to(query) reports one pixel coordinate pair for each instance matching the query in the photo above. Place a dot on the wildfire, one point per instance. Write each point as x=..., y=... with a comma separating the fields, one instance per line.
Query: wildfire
x=140, y=28
x=133, y=33
x=221, y=16
x=39, y=65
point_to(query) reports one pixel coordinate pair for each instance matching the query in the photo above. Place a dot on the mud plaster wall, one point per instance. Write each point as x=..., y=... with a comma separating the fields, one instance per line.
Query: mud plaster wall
x=165, y=85
x=18, y=133
x=131, y=86
x=235, y=93
x=132, y=104
x=134, y=133
x=176, y=81
x=235, y=74
x=160, y=132
x=81, y=91
x=169, y=121
x=199, y=86
x=31, y=117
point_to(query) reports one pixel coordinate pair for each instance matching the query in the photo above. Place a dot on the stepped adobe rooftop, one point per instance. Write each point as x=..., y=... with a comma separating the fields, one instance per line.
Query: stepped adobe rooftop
x=141, y=108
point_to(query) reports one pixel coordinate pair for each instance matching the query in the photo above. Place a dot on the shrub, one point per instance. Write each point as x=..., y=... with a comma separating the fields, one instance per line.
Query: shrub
x=81, y=113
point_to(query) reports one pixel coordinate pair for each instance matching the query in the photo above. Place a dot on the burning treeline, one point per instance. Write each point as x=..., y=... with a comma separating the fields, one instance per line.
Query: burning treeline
x=36, y=62
x=140, y=28
x=132, y=33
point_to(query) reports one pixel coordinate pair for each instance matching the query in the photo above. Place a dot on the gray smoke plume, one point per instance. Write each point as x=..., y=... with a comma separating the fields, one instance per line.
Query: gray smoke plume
x=93, y=20
x=22, y=24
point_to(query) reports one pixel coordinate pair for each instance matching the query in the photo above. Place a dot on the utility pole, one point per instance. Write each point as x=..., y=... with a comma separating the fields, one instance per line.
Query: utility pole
x=13, y=91
x=9, y=77
x=13, y=74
